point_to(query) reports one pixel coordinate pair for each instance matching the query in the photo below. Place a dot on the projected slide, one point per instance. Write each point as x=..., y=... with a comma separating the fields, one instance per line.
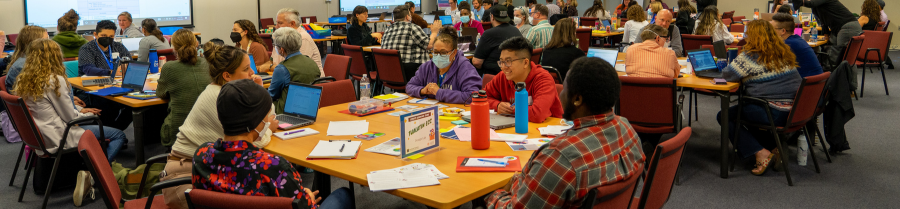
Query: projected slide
x=374, y=6
x=45, y=13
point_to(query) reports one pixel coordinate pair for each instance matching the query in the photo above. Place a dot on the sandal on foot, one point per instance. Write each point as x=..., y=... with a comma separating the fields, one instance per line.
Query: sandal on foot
x=765, y=165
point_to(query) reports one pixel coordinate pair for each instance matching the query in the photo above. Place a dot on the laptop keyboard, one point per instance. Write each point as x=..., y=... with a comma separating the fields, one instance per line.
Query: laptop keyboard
x=100, y=81
x=292, y=120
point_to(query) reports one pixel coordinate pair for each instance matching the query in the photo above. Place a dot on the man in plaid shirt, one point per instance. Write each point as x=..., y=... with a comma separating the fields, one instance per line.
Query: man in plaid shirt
x=600, y=149
x=409, y=39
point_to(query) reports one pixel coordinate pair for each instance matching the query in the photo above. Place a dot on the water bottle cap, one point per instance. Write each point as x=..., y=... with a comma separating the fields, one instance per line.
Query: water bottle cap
x=520, y=86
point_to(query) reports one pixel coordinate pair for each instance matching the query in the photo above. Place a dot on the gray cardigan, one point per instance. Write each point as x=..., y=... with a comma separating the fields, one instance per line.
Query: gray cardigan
x=150, y=42
x=51, y=113
x=130, y=32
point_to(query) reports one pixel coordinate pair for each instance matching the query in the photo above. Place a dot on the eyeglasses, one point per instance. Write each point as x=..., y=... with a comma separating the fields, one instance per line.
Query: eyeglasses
x=508, y=63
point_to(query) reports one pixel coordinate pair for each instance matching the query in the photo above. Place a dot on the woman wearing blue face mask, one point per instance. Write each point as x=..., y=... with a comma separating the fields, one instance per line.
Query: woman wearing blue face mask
x=467, y=19
x=449, y=77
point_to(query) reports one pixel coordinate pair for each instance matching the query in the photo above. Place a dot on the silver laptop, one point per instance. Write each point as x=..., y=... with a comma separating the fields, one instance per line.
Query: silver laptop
x=497, y=121
x=301, y=106
x=132, y=44
x=428, y=18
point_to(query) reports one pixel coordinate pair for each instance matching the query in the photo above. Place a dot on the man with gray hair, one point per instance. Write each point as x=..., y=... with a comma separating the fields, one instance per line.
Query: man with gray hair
x=288, y=17
x=296, y=67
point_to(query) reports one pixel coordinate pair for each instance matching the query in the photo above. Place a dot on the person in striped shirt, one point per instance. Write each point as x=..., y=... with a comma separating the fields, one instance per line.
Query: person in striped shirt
x=540, y=34
x=651, y=58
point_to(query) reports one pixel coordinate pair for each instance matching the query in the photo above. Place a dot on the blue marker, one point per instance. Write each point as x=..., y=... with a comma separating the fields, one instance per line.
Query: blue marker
x=491, y=161
x=294, y=132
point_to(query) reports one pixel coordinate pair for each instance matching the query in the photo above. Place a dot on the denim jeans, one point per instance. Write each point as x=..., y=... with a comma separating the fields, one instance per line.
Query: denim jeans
x=116, y=139
x=340, y=198
x=752, y=141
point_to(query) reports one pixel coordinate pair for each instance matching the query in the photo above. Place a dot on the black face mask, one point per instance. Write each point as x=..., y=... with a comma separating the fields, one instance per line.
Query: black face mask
x=235, y=37
x=105, y=41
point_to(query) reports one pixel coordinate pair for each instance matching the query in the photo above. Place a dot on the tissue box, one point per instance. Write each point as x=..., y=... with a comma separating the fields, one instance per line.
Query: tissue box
x=337, y=19
x=364, y=107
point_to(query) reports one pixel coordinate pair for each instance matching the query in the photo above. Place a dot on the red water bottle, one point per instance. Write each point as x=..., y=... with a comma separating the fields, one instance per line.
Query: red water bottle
x=481, y=121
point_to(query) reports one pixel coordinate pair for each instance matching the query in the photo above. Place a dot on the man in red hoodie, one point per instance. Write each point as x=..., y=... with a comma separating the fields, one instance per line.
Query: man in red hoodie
x=515, y=63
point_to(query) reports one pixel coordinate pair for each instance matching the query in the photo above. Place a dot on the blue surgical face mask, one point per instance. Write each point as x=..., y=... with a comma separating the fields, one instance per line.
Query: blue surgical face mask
x=440, y=61
x=464, y=19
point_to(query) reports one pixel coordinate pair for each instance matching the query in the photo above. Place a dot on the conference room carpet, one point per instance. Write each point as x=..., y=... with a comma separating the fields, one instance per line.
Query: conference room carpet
x=865, y=176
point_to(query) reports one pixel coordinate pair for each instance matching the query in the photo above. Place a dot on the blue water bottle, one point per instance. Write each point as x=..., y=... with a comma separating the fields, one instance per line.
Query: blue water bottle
x=521, y=105
x=154, y=61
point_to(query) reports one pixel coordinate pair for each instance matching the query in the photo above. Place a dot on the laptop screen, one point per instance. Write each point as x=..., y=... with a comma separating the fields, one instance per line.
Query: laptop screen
x=702, y=59
x=608, y=55
x=135, y=75
x=606, y=22
x=132, y=44
x=428, y=18
x=252, y=65
x=446, y=20
x=303, y=100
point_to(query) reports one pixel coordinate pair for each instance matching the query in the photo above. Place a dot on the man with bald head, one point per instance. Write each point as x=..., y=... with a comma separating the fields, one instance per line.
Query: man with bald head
x=664, y=19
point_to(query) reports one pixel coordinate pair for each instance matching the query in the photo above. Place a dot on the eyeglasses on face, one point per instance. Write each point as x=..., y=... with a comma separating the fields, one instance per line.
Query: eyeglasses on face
x=507, y=63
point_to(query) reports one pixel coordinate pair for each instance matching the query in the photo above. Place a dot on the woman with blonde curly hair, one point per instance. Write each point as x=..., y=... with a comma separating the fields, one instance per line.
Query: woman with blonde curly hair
x=871, y=14
x=17, y=61
x=767, y=69
x=637, y=19
x=43, y=86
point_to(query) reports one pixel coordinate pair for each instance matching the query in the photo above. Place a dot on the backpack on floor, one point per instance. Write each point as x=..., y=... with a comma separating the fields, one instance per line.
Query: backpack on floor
x=129, y=180
x=8, y=130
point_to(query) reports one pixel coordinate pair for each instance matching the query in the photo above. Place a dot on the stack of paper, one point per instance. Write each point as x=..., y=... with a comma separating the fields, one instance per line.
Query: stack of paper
x=464, y=134
x=408, y=176
x=510, y=138
x=553, y=130
x=390, y=147
x=423, y=101
x=528, y=144
x=419, y=166
x=392, y=98
x=347, y=128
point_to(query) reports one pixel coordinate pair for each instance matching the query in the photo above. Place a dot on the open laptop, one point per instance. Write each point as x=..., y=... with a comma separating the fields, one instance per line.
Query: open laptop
x=104, y=81
x=606, y=22
x=608, y=55
x=497, y=121
x=703, y=63
x=446, y=20
x=265, y=77
x=301, y=106
x=133, y=81
x=132, y=44
x=429, y=19
x=721, y=51
x=469, y=31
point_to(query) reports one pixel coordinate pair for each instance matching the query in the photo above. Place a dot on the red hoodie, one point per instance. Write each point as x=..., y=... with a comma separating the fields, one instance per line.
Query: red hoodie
x=541, y=88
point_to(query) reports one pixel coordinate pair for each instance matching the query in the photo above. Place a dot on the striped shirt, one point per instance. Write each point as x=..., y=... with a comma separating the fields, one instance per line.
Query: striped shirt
x=649, y=59
x=540, y=34
x=599, y=150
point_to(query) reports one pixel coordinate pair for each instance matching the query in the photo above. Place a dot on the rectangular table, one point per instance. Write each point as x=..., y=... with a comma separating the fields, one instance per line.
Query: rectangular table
x=724, y=92
x=138, y=110
x=452, y=192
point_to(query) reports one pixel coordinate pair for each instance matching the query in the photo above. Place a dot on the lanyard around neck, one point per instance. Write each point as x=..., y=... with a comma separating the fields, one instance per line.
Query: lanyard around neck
x=109, y=48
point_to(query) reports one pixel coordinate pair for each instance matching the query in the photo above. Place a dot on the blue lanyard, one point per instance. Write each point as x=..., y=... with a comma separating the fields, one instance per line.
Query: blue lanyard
x=104, y=56
x=440, y=79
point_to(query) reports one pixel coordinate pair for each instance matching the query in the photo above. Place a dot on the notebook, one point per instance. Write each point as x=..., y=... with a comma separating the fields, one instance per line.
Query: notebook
x=513, y=164
x=335, y=149
x=485, y=162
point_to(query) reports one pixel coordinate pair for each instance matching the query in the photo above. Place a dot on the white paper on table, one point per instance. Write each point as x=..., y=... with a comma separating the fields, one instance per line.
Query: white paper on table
x=510, y=138
x=419, y=166
x=528, y=144
x=423, y=101
x=465, y=134
x=620, y=67
x=391, y=180
x=407, y=107
x=347, y=128
x=553, y=130
x=387, y=148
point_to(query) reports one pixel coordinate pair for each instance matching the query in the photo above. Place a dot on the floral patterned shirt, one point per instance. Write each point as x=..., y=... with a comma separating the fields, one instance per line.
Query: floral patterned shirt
x=239, y=167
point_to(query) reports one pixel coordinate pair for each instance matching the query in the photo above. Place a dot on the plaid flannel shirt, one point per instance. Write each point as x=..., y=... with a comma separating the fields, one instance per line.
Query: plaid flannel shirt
x=409, y=39
x=598, y=150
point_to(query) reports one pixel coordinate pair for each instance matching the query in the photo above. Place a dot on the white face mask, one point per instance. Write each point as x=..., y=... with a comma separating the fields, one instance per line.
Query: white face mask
x=261, y=134
x=517, y=20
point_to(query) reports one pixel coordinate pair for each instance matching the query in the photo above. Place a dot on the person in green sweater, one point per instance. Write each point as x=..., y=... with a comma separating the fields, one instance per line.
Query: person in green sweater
x=296, y=67
x=66, y=37
x=181, y=82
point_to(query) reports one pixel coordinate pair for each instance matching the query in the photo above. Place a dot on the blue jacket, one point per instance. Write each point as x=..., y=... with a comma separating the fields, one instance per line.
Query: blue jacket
x=806, y=57
x=459, y=82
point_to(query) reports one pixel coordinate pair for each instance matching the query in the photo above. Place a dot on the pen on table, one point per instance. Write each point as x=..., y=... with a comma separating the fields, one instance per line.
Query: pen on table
x=342, y=148
x=491, y=161
x=294, y=132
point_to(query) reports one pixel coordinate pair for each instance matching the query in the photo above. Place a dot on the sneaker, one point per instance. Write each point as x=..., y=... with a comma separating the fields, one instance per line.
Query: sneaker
x=82, y=188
